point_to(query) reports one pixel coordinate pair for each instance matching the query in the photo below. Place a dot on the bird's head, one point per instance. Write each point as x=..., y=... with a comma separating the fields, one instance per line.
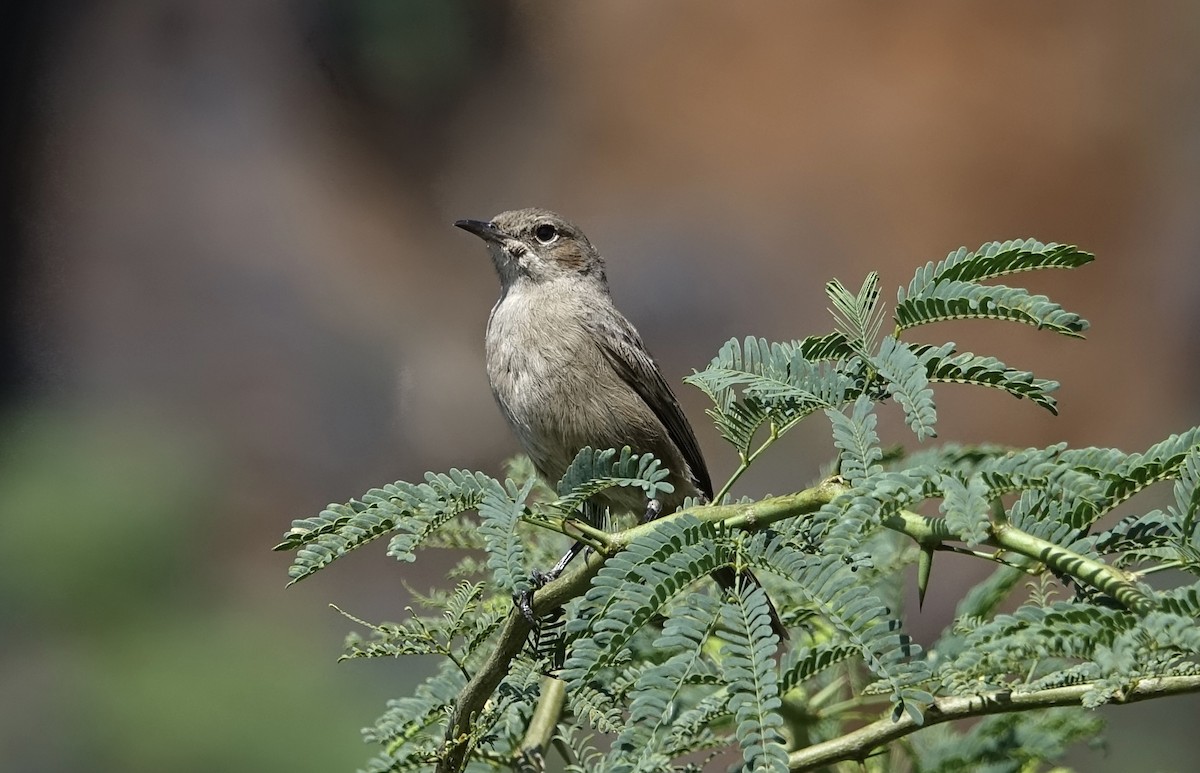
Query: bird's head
x=536, y=245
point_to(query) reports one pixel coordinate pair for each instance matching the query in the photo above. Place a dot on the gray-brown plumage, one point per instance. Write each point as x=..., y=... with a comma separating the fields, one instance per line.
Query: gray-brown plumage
x=568, y=370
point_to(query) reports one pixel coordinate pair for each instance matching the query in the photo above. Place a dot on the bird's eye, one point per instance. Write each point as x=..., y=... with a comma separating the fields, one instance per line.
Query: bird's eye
x=545, y=233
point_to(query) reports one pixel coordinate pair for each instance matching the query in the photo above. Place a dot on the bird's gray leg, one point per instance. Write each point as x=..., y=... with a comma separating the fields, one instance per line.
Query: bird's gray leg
x=593, y=514
x=567, y=558
x=539, y=579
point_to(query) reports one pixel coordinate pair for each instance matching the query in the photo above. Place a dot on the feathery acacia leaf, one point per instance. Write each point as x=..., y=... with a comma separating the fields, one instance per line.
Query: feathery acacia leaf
x=595, y=706
x=416, y=511
x=812, y=661
x=965, y=507
x=1007, y=742
x=832, y=587
x=753, y=383
x=954, y=299
x=658, y=689
x=410, y=729
x=943, y=365
x=753, y=683
x=907, y=382
x=593, y=471
x=858, y=315
x=499, y=513
x=831, y=346
x=633, y=587
x=996, y=259
x=1159, y=462
x=855, y=437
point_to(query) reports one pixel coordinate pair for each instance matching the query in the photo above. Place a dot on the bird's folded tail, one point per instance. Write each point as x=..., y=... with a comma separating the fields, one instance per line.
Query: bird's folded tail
x=727, y=578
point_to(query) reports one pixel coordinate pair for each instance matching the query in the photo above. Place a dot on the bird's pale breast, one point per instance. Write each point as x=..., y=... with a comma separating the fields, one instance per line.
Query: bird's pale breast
x=559, y=399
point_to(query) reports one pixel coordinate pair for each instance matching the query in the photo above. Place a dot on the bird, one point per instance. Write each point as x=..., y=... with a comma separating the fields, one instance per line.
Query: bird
x=569, y=371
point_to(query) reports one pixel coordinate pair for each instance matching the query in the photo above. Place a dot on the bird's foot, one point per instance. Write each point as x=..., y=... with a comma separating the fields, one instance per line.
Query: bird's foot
x=539, y=579
x=653, y=511
x=524, y=600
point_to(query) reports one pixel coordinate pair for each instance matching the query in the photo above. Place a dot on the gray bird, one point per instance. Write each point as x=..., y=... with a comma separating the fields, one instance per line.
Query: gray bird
x=568, y=370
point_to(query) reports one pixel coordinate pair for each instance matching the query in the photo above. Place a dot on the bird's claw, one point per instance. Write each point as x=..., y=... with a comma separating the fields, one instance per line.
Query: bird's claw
x=653, y=511
x=524, y=602
x=524, y=599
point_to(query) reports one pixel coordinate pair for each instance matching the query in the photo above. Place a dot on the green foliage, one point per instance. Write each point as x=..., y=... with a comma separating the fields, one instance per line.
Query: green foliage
x=832, y=586
x=499, y=512
x=462, y=619
x=812, y=661
x=856, y=440
x=950, y=290
x=638, y=645
x=659, y=688
x=996, y=259
x=753, y=683
x=413, y=511
x=594, y=471
x=633, y=587
x=858, y=315
x=1008, y=743
x=907, y=381
x=943, y=365
x=755, y=383
x=965, y=506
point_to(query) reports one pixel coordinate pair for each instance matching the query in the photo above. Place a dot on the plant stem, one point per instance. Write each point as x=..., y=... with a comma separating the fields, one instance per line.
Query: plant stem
x=1164, y=567
x=742, y=467
x=861, y=743
x=512, y=637
x=545, y=717
x=993, y=557
x=749, y=516
x=1114, y=582
x=746, y=462
x=575, y=529
x=1096, y=573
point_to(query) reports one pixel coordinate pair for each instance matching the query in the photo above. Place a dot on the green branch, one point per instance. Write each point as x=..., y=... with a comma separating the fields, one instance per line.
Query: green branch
x=930, y=532
x=516, y=628
x=545, y=718
x=859, y=744
x=597, y=539
x=1098, y=574
x=512, y=638
x=746, y=461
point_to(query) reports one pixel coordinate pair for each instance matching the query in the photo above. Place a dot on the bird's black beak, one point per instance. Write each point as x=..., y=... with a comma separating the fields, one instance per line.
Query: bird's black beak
x=484, y=229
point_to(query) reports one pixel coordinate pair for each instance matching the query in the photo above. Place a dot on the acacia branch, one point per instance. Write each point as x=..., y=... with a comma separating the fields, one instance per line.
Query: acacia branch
x=749, y=516
x=516, y=628
x=932, y=532
x=545, y=718
x=512, y=638
x=861, y=743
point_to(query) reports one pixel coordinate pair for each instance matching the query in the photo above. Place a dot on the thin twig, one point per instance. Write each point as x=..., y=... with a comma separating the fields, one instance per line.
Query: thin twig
x=545, y=717
x=861, y=743
x=746, y=461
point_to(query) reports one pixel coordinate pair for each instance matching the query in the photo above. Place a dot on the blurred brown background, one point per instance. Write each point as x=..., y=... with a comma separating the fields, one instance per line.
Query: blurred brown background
x=231, y=293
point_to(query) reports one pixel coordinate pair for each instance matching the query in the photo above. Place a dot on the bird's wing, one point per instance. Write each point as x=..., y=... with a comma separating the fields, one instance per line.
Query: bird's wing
x=623, y=347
